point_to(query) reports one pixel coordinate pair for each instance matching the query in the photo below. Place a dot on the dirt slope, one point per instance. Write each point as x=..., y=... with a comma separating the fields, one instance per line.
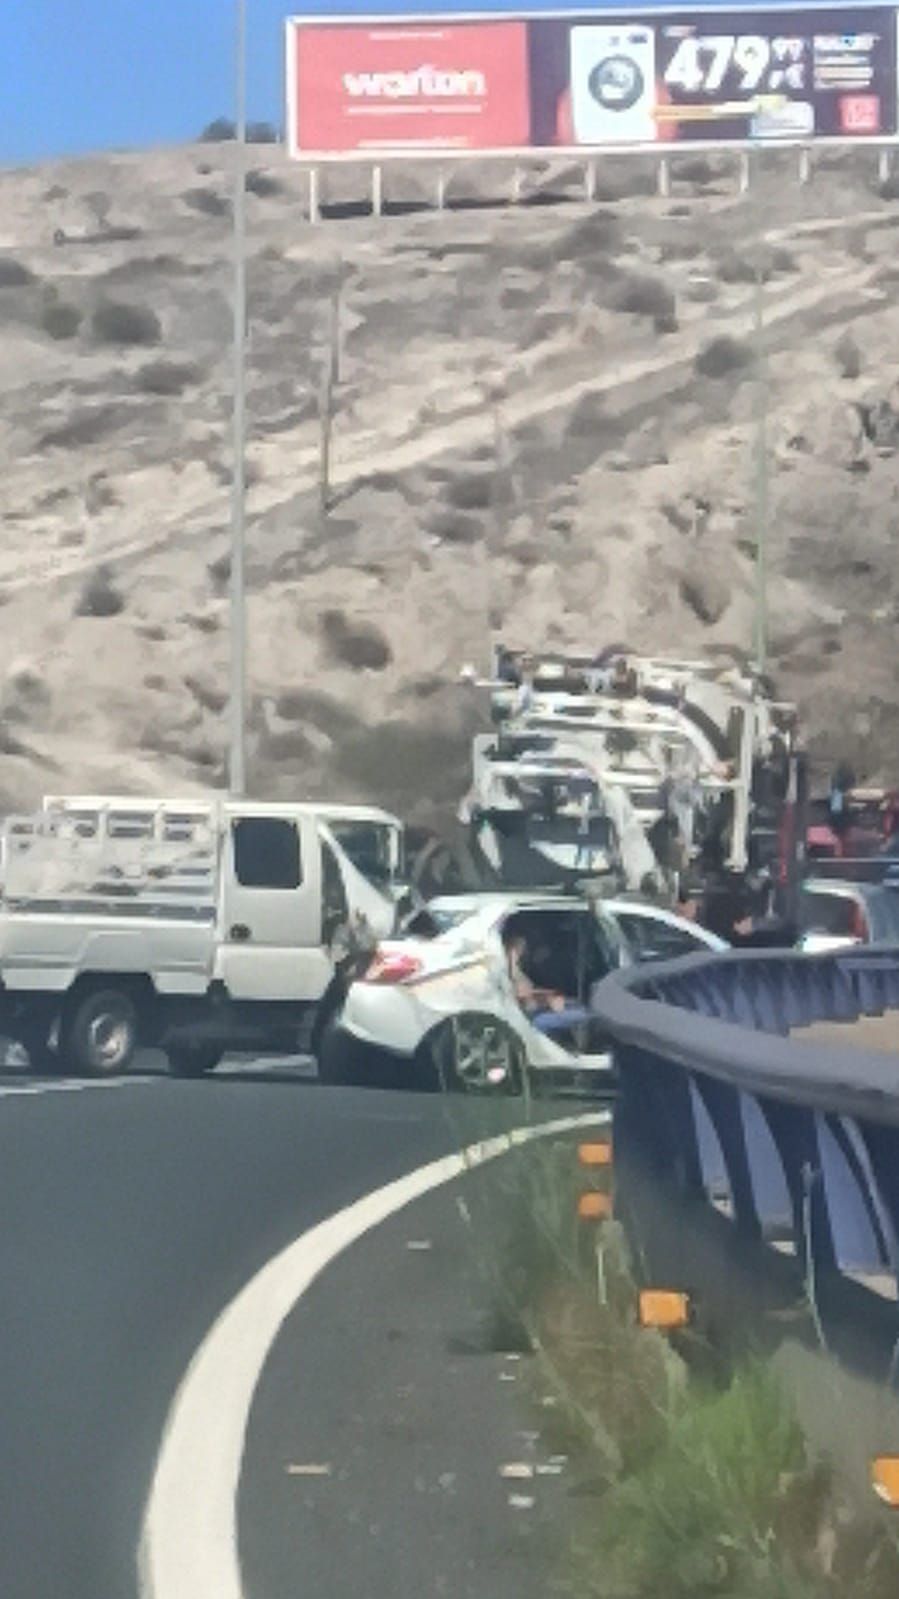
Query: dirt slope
x=547, y=419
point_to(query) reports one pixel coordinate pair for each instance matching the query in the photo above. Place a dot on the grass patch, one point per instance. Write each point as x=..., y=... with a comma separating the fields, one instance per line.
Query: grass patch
x=707, y=1509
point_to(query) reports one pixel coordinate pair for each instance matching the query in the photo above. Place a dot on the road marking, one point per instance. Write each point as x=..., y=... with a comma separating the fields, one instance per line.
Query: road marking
x=188, y=1547
x=76, y=1085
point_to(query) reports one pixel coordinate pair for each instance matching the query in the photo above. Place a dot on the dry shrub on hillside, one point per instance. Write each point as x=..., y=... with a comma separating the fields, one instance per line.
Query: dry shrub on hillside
x=723, y=355
x=455, y=527
x=166, y=377
x=848, y=356
x=14, y=274
x=85, y=427
x=117, y=322
x=99, y=595
x=354, y=642
x=642, y=295
x=60, y=320
x=471, y=490
x=207, y=202
x=263, y=185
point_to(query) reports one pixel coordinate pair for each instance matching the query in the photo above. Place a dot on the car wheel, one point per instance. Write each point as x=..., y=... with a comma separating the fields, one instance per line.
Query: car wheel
x=98, y=1035
x=476, y=1054
x=193, y=1060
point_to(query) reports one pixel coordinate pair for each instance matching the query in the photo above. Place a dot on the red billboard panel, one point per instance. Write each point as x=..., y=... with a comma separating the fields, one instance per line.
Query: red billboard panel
x=409, y=86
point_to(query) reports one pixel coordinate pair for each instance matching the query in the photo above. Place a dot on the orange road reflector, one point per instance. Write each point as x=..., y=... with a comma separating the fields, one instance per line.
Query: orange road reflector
x=885, y=1479
x=594, y=1206
x=594, y=1154
x=663, y=1308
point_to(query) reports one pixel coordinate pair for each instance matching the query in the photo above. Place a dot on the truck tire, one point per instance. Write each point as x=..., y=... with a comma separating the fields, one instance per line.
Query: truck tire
x=193, y=1060
x=99, y=1033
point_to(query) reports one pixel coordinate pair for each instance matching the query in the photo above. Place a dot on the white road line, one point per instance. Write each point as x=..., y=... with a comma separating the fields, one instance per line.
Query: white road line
x=188, y=1547
x=74, y=1085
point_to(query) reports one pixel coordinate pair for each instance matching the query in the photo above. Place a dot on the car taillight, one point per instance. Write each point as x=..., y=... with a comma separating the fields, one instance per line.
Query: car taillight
x=392, y=966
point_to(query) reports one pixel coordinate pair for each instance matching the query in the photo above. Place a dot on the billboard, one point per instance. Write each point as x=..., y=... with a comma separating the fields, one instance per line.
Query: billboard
x=459, y=86
x=538, y=82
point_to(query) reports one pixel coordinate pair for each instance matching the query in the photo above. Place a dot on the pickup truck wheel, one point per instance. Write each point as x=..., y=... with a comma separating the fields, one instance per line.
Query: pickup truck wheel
x=98, y=1035
x=193, y=1060
x=474, y=1054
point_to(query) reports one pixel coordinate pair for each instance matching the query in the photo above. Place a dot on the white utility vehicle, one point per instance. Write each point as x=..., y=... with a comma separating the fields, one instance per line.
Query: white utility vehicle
x=200, y=926
x=629, y=768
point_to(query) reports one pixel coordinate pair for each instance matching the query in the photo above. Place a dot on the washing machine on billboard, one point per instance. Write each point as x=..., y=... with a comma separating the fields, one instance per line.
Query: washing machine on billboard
x=613, y=89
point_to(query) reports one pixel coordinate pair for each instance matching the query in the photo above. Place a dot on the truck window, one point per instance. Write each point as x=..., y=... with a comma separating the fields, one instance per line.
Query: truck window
x=266, y=852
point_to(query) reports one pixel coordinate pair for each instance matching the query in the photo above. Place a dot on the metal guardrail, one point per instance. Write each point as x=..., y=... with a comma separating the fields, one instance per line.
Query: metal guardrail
x=795, y=1140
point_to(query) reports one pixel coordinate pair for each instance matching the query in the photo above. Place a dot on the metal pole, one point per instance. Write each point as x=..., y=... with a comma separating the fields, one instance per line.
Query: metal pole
x=761, y=482
x=237, y=776
x=377, y=191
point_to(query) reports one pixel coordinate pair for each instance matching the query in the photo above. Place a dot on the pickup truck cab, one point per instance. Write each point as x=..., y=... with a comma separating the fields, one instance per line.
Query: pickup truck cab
x=199, y=925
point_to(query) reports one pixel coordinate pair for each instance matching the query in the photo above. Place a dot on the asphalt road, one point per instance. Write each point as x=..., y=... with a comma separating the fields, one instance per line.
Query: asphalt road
x=132, y=1215
x=396, y=1443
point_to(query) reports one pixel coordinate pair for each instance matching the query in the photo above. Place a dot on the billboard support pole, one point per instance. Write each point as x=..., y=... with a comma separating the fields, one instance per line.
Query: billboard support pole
x=590, y=180
x=761, y=481
x=805, y=164
x=441, y=190
x=238, y=641
x=315, y=210
x=884, y=164
x=664, y=178
x=377, y=191
x=744, y=172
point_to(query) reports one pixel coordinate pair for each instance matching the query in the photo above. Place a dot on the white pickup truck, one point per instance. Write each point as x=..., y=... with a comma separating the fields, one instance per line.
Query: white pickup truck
x=197, y=926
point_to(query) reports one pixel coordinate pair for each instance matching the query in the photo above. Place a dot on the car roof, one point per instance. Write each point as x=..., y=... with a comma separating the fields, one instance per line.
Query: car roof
x=661, y=913
x=494, y=899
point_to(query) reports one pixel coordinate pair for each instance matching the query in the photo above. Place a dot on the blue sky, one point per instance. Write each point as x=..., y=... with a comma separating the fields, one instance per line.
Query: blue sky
x=93, y=74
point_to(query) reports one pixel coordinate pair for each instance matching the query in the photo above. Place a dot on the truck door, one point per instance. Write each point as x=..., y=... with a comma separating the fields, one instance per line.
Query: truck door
x=271, y=922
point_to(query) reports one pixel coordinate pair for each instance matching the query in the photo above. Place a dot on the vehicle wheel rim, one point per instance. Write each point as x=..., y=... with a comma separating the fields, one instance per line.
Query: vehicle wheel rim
x=483, y=1057
x=110, y=1037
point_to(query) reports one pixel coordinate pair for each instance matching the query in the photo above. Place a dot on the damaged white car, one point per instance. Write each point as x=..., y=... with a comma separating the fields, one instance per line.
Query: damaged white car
x=485, y=990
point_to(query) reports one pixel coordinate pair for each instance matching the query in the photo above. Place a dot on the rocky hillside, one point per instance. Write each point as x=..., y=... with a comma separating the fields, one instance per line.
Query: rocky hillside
x=545, y=422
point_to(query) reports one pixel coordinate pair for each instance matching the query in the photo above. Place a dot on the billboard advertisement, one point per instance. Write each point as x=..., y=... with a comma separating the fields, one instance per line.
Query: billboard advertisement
x=531, y=82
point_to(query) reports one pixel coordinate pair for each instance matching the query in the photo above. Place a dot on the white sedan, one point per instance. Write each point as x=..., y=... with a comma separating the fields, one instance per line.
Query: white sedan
x=441, y=1004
